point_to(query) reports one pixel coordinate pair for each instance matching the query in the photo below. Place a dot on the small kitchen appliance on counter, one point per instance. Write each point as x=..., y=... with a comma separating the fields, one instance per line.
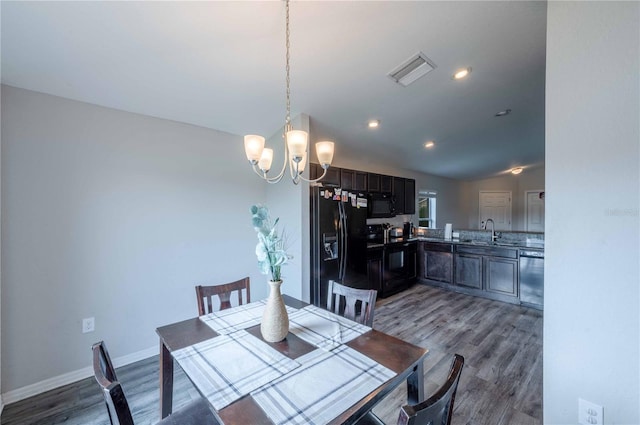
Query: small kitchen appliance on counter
x=396, y=232
x=408, y=229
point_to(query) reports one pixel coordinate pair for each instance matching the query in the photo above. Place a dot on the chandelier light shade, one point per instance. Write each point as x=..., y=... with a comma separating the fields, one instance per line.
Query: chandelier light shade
x=324, y=151
x=296, y=142
x=253, y=146
x=266, y=158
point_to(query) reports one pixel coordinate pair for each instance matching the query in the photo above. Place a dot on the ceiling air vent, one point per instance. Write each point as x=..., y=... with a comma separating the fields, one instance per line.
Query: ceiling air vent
x=412, y=69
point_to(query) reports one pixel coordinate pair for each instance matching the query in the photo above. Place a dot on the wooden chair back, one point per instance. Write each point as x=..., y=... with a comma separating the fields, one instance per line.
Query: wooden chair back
x=206, y=294
x=344, y=300
x=438, y=408
x=105, y=374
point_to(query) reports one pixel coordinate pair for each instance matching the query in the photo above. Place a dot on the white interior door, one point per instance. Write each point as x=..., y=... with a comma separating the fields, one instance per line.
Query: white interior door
x=495, y=205
x=534, y=210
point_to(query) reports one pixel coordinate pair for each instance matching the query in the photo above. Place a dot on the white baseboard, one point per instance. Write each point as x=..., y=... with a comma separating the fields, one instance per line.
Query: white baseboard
x=68, y=378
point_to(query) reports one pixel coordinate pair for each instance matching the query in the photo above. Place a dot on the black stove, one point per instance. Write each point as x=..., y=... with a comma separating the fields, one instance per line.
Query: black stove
x=398, y=258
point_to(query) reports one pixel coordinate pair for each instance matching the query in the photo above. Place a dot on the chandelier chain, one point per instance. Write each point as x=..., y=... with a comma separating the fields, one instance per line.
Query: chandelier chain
x=288, y=117
x=261, y=158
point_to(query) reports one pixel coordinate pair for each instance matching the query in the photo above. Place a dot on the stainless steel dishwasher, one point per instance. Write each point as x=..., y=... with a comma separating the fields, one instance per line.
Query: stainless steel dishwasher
x=532, y=278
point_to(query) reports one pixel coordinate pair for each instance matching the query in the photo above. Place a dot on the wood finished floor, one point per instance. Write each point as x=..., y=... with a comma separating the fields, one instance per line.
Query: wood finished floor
x=501, y=381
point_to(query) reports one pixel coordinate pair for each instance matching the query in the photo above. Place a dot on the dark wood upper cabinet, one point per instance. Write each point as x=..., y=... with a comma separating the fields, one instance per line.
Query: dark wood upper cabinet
x=403, y=189
x=386, y=183
x=360, y=181
x=373, y=182
x=313, y=170
x=347, y=178
x=409, y=196
x=398, y=193
x=332, y=178
x=353, y=180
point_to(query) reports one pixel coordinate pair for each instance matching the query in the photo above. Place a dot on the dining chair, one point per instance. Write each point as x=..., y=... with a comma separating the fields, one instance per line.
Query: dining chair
x=205, y=295
x=343, y=300
x=436, y=410
x=195, y=413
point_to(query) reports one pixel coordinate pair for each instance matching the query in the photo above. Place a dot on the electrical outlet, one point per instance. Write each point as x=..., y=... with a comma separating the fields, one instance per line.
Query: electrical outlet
x=88, y=325
x=590, y=413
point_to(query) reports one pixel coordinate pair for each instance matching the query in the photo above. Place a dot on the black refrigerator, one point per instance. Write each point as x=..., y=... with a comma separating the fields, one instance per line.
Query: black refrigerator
x=338, y=240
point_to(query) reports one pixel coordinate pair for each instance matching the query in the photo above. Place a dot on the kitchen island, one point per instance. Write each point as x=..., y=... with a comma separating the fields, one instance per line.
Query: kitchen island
x=502, y=270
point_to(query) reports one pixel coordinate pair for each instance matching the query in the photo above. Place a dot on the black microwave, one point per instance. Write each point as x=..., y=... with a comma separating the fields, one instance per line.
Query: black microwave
x=381, y=205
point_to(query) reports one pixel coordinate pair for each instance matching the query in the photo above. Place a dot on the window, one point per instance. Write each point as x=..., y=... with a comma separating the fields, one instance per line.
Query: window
x=427, y=209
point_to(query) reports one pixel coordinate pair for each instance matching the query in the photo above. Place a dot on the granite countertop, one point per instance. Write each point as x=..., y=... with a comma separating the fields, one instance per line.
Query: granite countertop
x=535, y=244
x=529, y=244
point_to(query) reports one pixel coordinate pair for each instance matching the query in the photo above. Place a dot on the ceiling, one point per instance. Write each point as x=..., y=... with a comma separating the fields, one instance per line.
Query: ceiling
x=221, y=65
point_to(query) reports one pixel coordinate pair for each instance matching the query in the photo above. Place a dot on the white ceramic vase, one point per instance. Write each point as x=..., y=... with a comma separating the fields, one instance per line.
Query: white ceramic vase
x=275, y=320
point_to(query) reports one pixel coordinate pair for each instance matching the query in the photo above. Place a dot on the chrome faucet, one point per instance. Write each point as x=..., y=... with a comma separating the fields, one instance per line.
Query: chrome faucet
x=494, y=237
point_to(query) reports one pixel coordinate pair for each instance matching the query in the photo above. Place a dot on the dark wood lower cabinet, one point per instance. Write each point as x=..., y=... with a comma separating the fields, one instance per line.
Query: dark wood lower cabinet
x=491, y=272
x=501, y=276
x=437, y=262
x=469, y=270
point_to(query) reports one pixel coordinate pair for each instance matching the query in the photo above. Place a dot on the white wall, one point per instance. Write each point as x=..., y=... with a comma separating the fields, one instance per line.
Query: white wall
x=113, y=215
x=591, y=323
x=1, y=401
x=530, y=179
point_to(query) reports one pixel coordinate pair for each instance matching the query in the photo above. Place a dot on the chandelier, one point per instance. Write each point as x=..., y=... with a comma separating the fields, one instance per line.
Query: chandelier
x=295, y=142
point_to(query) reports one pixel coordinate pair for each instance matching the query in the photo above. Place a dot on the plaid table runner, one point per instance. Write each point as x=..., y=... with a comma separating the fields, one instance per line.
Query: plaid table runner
x=227, y=367
x=237, y=318
x=326, y=384
x=322, y=328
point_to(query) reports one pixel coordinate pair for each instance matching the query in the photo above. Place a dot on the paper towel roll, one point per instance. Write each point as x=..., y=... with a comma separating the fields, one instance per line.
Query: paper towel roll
x=447, y=231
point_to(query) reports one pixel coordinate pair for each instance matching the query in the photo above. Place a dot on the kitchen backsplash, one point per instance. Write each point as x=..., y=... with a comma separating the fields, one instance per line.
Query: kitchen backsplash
x=396, y=221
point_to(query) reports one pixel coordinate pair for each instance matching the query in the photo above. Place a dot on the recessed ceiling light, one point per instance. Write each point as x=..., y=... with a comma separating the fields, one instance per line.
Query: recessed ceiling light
x=516, y=170
x=429, y=144
x=461, y=73
x=503, y=113
x=374, y=123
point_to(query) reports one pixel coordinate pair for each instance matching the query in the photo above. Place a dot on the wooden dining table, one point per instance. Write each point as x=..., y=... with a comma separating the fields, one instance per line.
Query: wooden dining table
x=401, y=357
